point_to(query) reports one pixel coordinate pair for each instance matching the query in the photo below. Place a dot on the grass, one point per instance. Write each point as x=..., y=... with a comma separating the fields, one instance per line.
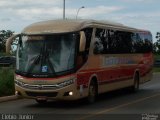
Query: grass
x=156, y=57
x=156, y=69
x=3, y=54
x=6, y=81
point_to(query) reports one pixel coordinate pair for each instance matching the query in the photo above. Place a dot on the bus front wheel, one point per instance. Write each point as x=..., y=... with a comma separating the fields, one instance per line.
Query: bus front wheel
x=92, y=93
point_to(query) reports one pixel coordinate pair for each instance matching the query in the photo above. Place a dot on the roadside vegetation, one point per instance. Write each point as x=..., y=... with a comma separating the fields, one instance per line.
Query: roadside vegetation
x=6, y=73
x=6, y=81
x=156, y=69
x=156, y=57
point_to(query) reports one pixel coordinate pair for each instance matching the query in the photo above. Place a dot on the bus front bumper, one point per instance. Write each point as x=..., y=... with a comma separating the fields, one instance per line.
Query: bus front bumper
x=69, y=92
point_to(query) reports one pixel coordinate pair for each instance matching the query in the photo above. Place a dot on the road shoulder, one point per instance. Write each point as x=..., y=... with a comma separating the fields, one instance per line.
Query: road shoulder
x=8, y=98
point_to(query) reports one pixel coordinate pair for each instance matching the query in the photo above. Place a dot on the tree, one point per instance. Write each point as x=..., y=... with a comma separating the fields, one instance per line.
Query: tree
x=4, y=35
x=157, y=43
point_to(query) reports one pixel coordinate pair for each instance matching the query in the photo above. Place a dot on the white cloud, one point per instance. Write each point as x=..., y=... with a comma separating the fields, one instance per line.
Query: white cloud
x=92, y=12
x=22, y=3
x=148, y=21
x=55, y=12
x=99, y=10
x=144, y=1
x=39, y=13
x=30, y=9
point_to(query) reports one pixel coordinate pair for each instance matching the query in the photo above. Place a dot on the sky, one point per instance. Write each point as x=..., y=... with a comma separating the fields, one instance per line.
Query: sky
x=15, y=15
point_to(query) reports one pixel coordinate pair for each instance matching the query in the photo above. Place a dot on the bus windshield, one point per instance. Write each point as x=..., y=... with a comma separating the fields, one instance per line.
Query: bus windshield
x=45, y=55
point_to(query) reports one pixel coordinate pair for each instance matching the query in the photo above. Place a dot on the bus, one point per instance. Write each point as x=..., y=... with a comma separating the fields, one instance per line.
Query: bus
x=74, y=59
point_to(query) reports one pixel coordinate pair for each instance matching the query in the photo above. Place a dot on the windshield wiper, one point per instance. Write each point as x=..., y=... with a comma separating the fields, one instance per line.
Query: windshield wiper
x=49, y=62
x=36, y=60
x=44, y=58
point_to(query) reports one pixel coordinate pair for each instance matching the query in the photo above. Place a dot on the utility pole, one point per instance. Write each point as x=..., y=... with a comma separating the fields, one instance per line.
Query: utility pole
x=63, y=9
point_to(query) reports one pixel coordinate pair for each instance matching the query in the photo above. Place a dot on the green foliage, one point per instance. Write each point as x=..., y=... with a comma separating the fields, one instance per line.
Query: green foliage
x=156, y=57
x=2, y=54
x=156, y=46
x=156, y=69
x=6, y=81
x=4, y=35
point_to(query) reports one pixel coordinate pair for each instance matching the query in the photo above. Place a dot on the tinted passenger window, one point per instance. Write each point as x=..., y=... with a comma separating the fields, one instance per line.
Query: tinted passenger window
x=109, y=41
x=112, y=42
x=142, y=42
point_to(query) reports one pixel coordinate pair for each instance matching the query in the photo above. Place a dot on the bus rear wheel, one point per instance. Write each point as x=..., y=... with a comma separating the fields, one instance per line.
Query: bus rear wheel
x=135, y=87
x=92, y=93
x=136, y=83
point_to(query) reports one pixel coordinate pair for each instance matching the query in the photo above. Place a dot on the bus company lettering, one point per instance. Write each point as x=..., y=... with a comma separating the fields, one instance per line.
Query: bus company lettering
x=117, y=61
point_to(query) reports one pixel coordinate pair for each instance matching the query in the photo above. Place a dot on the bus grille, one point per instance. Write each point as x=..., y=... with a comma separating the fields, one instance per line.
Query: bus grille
x=44, y=94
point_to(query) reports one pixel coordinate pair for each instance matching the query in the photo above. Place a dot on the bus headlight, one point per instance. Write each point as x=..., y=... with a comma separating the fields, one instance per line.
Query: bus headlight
x=66, y=83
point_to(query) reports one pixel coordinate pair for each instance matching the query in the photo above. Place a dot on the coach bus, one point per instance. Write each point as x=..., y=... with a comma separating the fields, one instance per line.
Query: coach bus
x=74, y=59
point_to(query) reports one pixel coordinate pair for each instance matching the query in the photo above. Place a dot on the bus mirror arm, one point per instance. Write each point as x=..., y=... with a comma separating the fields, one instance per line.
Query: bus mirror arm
x=9, y=42
x=82, y=44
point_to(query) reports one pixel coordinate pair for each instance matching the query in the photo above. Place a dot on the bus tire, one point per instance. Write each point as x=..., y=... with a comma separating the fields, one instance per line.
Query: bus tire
x=92, y=92
x=135, y=87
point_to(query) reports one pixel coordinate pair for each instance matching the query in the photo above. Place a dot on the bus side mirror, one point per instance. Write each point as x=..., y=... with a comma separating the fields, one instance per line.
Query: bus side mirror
x=9, y=42
x=82, y=44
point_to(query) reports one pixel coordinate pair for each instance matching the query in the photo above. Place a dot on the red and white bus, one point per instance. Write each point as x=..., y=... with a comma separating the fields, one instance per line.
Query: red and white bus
x=73, y=59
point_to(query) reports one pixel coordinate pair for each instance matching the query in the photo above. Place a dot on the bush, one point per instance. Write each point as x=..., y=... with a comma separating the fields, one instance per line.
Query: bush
x=6, y=81
x=156, y=58
x=156, y=69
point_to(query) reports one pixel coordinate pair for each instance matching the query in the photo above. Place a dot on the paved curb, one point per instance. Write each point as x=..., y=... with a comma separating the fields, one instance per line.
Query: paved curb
x=8, y=98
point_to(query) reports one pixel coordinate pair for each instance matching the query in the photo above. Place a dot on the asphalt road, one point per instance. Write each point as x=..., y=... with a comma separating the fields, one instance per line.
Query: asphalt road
x=117, y=105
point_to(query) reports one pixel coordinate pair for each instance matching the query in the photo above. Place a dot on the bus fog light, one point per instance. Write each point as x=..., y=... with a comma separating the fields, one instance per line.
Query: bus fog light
x=70, y=93
x=16, y=92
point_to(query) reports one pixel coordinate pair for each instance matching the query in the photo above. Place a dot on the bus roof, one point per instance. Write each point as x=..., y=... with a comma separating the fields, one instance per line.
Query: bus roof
x=64, y=26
